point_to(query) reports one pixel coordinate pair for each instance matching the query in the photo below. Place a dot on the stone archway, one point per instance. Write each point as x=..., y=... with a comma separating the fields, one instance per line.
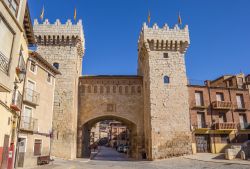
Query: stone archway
x=111, y=97
x=83, y=146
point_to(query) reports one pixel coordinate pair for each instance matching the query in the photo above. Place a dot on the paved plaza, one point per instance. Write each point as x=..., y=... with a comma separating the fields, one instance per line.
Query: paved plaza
x=108, y=158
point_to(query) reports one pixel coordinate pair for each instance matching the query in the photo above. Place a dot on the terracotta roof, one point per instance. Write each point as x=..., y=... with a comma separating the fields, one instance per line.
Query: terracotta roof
x=39, y=58
x=28, y=28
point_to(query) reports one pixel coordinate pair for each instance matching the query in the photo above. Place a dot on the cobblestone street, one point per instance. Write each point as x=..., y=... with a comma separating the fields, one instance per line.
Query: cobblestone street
x=108, y=158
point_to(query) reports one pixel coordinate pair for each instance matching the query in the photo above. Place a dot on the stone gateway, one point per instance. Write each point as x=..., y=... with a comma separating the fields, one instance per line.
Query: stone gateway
x=153, y=104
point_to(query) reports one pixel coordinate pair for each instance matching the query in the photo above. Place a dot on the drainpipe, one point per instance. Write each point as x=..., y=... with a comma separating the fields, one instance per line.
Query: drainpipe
x=230, y=98
x=232, y=110
x=211, y=110
x=19, y=119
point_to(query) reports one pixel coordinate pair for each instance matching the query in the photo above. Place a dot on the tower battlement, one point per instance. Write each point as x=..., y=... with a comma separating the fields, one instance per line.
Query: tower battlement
x=59, y=34
x=165, y=38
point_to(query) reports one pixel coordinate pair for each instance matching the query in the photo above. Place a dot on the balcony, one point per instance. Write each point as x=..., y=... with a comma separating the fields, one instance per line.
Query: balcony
x=240, y=106
x=194, y=105
x=222, y=105
x=202, y=125
x=4, y=63
x=244, y=126
x=16, y=103
x=30, y=96
x=29, y=124
x=21, y=68
x=225, y=126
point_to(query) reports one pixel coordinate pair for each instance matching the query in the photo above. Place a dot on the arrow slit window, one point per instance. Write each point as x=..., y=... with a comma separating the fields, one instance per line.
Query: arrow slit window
x=166, y=80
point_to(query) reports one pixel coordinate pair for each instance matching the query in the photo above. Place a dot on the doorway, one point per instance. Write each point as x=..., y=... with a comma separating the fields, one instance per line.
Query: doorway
x=21, y=151
x=202, y=143
x=5, y=152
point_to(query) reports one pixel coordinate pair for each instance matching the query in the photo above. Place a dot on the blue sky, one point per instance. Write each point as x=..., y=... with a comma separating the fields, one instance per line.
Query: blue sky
x=219, y=31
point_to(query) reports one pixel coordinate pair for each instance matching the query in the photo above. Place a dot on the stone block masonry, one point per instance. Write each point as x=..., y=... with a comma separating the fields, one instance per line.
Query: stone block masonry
x=154, y=104
x=162, y=64
x=63, y=44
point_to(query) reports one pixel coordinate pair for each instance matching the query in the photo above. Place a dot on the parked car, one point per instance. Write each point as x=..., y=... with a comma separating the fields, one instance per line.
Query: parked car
x=125, y=149
x=120, y=148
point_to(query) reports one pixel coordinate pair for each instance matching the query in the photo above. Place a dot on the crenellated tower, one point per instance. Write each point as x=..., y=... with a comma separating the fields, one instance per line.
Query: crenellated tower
x=161, y=62
x=63, y=46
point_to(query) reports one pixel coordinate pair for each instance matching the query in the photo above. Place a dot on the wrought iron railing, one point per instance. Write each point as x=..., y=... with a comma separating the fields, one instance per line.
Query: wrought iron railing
x=29, y=124
x=31, y=96
x=194, y=104
x=240, y=106
x=4, y=63
x=225, y=126
x=13, y=5
x=201, y=125
x=244, y=126
x=221, y=105
x=16, y=103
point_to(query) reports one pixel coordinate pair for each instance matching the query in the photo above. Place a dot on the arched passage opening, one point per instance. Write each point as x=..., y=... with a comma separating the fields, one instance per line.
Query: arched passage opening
x=86, y=141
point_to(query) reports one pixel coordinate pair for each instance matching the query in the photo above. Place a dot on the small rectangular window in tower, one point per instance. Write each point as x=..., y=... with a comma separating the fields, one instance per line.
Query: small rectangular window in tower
x=165, y=55
x=166, y=80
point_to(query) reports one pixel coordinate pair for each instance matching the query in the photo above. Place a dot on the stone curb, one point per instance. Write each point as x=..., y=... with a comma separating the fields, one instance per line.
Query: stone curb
x=212, y=161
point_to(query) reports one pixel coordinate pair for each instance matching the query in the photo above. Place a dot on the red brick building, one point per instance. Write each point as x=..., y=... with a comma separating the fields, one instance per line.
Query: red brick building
x=220, y=113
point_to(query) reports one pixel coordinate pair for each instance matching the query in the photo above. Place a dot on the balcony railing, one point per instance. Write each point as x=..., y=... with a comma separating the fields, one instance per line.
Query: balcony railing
x=221, y=105
x=244, y=126
x=225, y=126
x=21, y=68
x=29, y=124
x=31, y=96
x=4, y=63
x=16, y=103
x=202, y=125
x=13, y=6
x=240, y=106
x=199, y=106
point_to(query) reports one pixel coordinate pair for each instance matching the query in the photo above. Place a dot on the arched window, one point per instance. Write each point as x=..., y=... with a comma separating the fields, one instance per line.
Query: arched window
x=139, y=89
x=89, y=89
x=166, y=80
x=56, y=65
x=95, y=89
x=120, y=89
x=114, y=89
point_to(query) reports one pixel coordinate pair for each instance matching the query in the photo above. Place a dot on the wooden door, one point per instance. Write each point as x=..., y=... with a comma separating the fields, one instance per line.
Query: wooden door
x=202, y=143
x=21, y=151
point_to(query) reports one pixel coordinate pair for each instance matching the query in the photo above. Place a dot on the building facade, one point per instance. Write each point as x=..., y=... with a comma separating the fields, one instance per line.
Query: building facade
x=220, y=113
x=119, y=134
x=36, y=119
x=15, y=36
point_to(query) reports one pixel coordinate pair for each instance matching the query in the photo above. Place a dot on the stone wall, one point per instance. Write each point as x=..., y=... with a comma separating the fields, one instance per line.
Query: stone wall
x=111, y=97
x=63, y=44
x=166, y=107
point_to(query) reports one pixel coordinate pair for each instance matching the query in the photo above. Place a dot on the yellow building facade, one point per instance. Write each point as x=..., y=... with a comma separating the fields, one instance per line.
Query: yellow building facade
x=15, y=35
